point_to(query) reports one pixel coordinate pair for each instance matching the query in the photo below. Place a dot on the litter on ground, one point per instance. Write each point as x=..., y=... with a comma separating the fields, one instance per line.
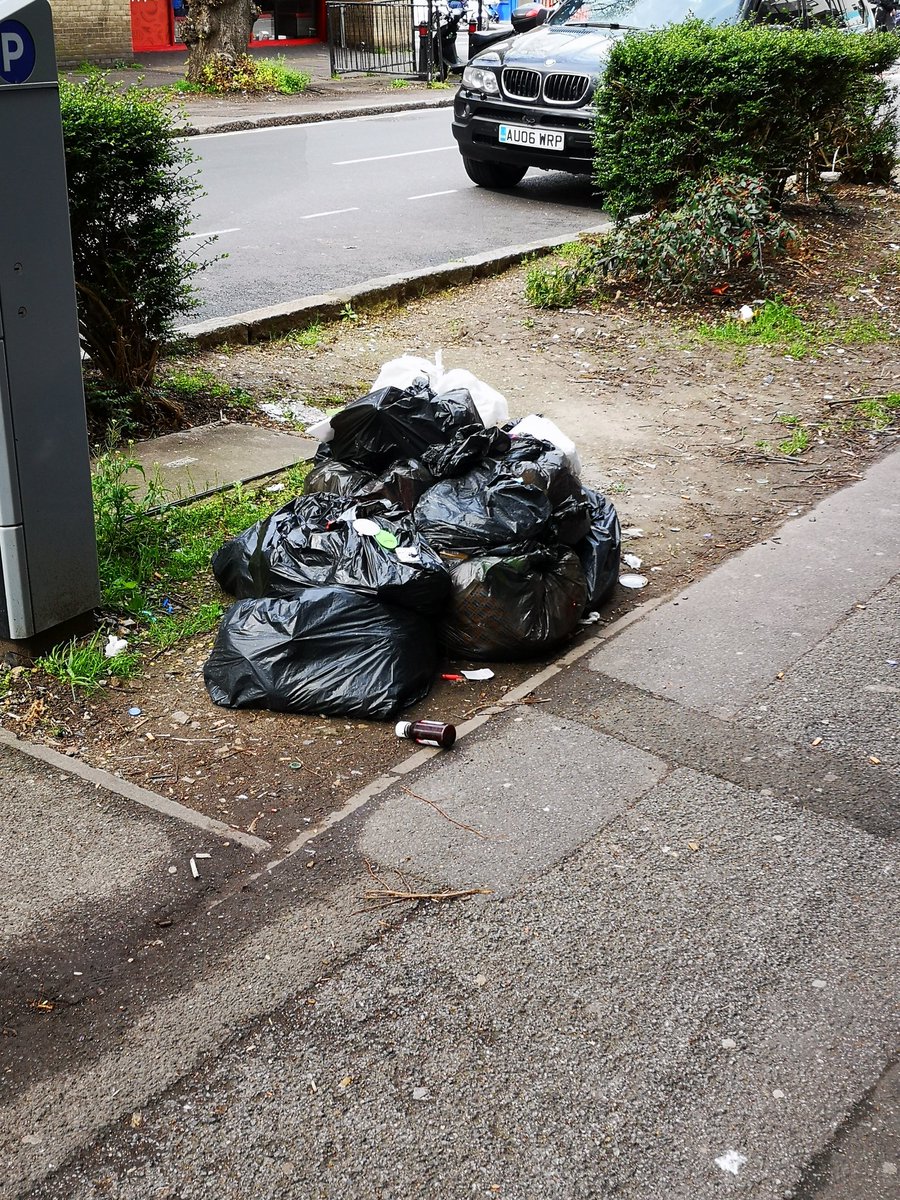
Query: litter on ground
x=430, y=525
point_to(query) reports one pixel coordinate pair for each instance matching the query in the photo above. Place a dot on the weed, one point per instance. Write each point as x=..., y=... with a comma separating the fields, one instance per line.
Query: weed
x=528, y=322
x=880, y=411
x=83, y=664
x=311, y=337
x=796, y=443
x=559, y=284
x=201, y=384
x=349, y=314
x=399, y=83
x=168, y=630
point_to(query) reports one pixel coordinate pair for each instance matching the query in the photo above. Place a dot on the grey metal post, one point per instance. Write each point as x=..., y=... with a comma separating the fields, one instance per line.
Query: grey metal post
x=48, y=551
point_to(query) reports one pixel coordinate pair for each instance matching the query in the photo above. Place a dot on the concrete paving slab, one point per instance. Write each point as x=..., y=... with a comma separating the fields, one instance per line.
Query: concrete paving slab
x=77, y=855
x=533, y=787
x=61, y=844
x=194, y=462
x=723, y=639
x=622, y=1026
x=844, y=693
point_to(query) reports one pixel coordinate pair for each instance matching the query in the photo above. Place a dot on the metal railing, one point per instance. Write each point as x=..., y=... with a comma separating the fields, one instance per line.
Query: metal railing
x=373, y=37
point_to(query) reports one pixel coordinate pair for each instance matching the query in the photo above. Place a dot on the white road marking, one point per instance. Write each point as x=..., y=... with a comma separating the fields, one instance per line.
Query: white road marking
x=193, y=237
x=349, y=162
x=332, y=212
x=428, y=195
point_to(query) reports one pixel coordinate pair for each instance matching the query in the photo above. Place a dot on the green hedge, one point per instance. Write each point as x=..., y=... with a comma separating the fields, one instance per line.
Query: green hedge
x=130, y=200
x=690, y=101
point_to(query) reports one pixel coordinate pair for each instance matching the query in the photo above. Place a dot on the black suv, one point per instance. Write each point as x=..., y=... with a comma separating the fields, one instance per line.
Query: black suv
x=526, y=100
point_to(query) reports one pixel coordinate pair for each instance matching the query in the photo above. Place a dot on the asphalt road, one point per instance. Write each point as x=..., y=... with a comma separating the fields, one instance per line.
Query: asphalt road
x=303, y=209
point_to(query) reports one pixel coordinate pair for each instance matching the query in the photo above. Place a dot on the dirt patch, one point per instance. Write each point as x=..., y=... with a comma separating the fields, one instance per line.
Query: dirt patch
x=680, y=430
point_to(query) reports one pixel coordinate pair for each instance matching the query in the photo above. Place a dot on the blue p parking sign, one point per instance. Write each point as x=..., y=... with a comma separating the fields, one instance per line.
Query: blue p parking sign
x=17, y=53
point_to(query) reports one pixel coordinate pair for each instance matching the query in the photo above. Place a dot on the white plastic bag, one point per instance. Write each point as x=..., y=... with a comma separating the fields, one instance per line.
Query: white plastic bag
x=491, y=405
x=543, y=428
x=404, y=371
x=322, y=430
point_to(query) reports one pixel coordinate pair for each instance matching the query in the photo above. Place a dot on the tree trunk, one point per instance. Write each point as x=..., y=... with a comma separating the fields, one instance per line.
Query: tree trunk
x=216, y=28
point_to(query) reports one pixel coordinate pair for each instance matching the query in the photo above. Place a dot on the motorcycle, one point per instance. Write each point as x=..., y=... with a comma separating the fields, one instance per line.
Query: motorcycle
x=448, y=18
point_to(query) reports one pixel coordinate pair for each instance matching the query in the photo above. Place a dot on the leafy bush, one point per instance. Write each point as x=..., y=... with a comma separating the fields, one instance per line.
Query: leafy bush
x=690, y=101
x=727, y=225
x=861, y=141
x=252, y=76
x=130, y=200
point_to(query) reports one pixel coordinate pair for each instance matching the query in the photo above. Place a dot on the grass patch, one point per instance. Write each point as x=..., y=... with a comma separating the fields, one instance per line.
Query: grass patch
x=186, y=386
x=146, y=555
x=83, y=664
x=879, y=411
x=777, y=324
x=863, y=331
x=154, y=566
x=310, y=338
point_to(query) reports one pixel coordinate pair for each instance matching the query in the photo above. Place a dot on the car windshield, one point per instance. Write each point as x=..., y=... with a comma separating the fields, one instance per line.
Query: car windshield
x=650, y=14
x=640, y=14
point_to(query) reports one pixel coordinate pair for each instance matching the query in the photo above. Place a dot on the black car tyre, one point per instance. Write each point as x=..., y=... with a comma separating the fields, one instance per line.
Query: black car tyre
x=493, y=175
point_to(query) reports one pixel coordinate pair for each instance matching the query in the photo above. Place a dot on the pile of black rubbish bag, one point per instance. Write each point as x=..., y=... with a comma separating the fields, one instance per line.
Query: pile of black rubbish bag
x=422, y=532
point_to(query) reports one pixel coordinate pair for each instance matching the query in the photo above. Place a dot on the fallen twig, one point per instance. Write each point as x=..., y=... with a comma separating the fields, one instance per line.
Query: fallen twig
x=383, y=895
x=437, y=808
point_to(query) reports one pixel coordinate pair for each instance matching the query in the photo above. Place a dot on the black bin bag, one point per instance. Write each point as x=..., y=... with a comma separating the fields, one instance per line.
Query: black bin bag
x=329, y=475
x=487, y=508
x=312, y=542
x=514, y=606
x=326, y=650
x=600, y=551
x=546, y=466
x=376, y=430
x=402, y=483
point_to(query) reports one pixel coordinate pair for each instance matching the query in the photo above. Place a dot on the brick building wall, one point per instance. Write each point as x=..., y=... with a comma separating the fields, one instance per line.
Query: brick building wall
x=95, y=31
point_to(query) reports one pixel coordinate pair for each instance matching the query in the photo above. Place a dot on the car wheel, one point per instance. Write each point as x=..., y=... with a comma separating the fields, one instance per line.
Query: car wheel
x=493, y=175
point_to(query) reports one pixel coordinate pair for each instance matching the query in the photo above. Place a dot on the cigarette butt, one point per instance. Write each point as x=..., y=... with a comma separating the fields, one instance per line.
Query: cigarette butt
x=194, y=871
x=202, y=856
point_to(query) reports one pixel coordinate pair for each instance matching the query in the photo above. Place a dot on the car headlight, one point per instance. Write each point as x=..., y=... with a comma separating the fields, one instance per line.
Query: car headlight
x=480, y=79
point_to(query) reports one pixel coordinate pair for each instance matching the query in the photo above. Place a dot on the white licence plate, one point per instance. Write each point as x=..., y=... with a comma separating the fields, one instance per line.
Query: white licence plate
x=541, y=139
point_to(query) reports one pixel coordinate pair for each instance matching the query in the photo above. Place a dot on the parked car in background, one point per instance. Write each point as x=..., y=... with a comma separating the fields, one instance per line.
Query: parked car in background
x=526, y=100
